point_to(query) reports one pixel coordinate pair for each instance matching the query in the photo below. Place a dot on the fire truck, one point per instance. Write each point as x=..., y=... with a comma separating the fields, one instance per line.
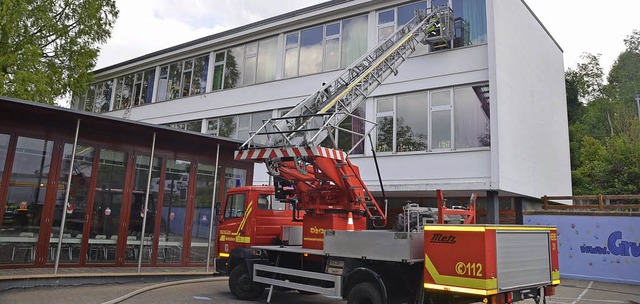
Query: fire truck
x=320, y=230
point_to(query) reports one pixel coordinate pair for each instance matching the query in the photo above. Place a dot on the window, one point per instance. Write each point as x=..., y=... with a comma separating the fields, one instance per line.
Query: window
x=390, y=20
x=193, y=125
x=183, y=78
x=239, y=126
x=325, y=47
x=235, y=206
x=441, y=120
x=347, y=140
x=470, y=20
x=402, y=123
x=471, y=109
x=98, y=97
x=136, y=88
x=438, y=120
x=269, y=202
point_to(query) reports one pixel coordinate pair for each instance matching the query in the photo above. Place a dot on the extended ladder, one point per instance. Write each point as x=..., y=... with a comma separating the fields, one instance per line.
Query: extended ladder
x=320, y=114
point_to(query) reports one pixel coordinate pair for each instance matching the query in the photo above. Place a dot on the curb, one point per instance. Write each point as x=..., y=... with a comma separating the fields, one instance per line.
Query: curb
x=75, y=279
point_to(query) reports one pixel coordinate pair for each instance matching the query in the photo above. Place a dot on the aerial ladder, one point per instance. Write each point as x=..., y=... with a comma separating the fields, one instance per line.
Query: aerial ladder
x=326, y=184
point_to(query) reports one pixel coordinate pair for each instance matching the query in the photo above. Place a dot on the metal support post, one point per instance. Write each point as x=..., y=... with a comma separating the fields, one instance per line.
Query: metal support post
x=146, y=201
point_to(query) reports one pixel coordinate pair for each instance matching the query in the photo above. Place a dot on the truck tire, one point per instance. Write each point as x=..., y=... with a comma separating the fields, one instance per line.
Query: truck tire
x=242, y=286
x=365, y=293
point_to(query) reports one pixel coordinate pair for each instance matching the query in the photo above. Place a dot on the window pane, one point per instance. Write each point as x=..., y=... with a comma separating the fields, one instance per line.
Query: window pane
x=311, y=50
x=244, y=125
x=77, y=207
x=147, y=86
x=107, y=207
x=162, y=84
x=249, y=71
x=412, y=129
x=347, y=140
x=228, y=126
x=441, y=98
x=91, y=96
x=119, y=91
x=234, y=67
x=471, y=110
x=441, y=129
x=194, y=125
x=25, y=200
x=332, y=30
x=407, y=12
x=127, y=92
x=257, y=120
x=137, y=213
x=199, y=79
x=202, y=213
x=212, y=126
x=291, y=62
x=4, y=148
x=267, y=52
x=385, y=134
x=470, y=20
x=269, y=202
x=173, y=83
x=105, y=99
x=332, y=54
x=385, y=104
x=174, y=211
x=386, y=17
x=385, y=32
x=235, y=206
x=354, y=39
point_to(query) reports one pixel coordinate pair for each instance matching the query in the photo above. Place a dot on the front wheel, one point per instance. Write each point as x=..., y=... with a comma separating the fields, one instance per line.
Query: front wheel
x=242, y=286
x=365, y=293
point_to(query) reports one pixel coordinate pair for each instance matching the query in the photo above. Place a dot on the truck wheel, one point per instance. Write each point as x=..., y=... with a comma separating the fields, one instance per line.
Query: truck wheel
x=242, y=286
x=365, y=293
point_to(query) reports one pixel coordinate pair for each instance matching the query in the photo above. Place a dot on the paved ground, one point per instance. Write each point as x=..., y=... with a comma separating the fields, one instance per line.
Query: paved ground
x=569, y=292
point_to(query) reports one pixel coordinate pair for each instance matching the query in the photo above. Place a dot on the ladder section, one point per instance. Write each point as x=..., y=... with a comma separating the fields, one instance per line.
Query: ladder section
x=320, y=114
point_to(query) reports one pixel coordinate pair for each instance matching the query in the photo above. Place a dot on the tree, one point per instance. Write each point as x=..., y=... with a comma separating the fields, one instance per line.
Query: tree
x=588, y=78
x=49, y=47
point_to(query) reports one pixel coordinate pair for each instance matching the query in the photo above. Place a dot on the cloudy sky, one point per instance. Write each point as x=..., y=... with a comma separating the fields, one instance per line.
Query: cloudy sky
x=145, y=26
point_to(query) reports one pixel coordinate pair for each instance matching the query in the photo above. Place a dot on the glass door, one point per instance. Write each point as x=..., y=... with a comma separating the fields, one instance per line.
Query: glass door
x=76, y=210
x=107, y=207
x=205, y=181
x=134, y=235
x=24, y=203
x=174, y=211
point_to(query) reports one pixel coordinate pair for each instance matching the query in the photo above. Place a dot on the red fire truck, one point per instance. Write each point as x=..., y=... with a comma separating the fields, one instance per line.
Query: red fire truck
x=320, y=230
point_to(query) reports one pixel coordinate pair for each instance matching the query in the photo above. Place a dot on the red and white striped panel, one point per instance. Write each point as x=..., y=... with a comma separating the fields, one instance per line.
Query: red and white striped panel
x=268, y=153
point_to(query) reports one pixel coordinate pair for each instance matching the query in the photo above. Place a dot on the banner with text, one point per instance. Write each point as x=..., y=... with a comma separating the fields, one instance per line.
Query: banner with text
x=600, y=248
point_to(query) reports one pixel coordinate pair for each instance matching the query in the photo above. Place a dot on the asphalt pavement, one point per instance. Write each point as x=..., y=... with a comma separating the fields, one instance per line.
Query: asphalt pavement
x=569, y=292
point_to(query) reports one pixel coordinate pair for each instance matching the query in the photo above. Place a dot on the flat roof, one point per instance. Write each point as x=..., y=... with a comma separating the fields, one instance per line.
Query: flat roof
x=16, y=113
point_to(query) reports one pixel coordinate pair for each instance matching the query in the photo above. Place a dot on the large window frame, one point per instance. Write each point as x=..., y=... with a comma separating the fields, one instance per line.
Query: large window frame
x=441, y=119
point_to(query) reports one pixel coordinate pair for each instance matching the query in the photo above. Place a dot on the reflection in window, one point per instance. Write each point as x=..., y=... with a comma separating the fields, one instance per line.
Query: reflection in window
x=441, y=120
x=269, y=202
x=471, y=106
x=239, y=126
x=234, y=178
x=174, y=211
x=325, y=47
x=25, y=200
x=205, y=183
x=97, y=99
x=192, y=125
x=267, y=53
x=235, y=206
x=77, y=207
x=107, y=206
x=470, y=20
x=347, y=140
x=403, y=123
x=183, y=78
x=137, y=212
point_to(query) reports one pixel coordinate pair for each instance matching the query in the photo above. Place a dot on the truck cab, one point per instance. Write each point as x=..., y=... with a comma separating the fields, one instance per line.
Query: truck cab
x=250, y=216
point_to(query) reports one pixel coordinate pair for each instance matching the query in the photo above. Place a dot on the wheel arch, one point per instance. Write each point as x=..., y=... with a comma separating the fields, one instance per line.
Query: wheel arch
x=364, y=275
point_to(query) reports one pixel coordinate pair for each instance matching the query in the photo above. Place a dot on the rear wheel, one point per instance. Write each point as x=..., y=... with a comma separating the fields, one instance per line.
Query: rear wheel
x=242, y=286
x=365, y=293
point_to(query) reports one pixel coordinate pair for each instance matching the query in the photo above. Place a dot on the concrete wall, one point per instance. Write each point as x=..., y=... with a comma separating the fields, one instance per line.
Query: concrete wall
x=598, y=248
x=529, y=129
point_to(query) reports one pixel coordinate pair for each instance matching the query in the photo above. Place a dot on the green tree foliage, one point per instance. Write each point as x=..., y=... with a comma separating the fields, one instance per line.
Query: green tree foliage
x=49, y=47
x=605, y=134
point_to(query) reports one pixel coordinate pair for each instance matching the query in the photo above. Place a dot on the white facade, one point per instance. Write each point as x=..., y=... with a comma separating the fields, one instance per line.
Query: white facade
x=517, y=60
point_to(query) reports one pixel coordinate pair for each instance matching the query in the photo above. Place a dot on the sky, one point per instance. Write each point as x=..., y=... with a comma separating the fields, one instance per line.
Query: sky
x=145, y=26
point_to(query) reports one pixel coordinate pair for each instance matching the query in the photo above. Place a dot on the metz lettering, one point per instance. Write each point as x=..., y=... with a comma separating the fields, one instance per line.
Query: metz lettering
x=440, y=238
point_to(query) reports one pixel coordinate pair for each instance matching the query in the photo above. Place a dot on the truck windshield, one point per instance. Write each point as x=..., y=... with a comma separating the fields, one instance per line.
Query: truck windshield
x=269, y=202
x=235, y=206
